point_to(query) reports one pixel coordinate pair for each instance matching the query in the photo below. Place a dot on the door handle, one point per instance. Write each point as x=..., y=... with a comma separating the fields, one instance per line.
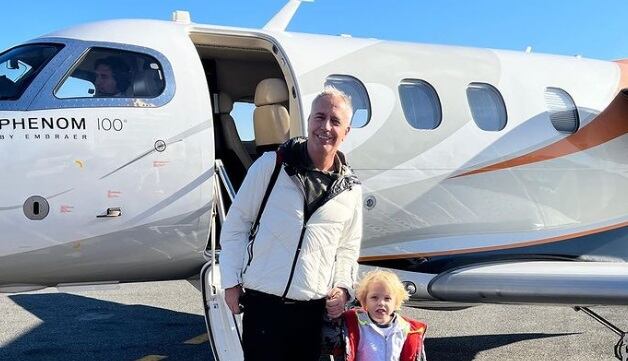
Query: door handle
x=111, y=212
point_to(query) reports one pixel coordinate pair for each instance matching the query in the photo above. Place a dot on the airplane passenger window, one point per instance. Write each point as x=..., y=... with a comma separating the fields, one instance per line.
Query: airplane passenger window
x=19, y=66
x=487, y=106
x=112, y=73
x=420, y=103
x=359, y=97
x=562, y=110
x=242, y=114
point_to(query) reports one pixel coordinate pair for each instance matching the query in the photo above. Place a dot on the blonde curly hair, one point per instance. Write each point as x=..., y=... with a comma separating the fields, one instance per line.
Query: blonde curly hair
x=389, y=280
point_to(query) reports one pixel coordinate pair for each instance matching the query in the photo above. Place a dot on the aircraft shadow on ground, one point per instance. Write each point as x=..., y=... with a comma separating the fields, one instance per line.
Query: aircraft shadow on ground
x=75, y=327
x=466, y=348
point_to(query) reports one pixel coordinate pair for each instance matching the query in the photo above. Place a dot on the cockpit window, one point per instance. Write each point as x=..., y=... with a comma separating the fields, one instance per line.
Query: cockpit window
x=20, y=65
x=112, y=73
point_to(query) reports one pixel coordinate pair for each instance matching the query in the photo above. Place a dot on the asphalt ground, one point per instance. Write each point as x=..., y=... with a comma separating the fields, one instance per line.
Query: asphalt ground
x=164, y=320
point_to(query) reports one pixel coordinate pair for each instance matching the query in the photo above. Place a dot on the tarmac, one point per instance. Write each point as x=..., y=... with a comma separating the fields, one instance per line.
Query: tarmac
x=164, y=321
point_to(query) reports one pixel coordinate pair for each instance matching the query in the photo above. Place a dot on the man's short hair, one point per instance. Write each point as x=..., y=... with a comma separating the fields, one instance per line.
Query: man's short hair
x=119, y=69
x=330, y=90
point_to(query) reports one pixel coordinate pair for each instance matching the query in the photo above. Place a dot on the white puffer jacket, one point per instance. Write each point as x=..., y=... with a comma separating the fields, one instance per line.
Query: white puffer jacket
x=331, y=238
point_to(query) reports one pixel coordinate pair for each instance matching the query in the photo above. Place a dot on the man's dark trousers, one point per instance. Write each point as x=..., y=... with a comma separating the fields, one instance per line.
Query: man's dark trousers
x=279, y=329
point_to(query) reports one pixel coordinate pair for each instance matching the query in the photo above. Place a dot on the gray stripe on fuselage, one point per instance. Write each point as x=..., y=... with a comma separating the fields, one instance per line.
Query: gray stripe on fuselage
x=175, y=196
x=49, y=197
x=177, y=138
x=168, y=248
x=197, y=214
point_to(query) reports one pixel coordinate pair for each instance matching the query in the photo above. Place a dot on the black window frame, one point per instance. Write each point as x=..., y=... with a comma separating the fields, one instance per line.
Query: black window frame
x=416, y=83
x=554, y=121
x=361, y=86
x=475, y=115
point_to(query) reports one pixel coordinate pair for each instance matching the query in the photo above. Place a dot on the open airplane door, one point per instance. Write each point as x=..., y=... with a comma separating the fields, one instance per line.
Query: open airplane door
x=224, y=329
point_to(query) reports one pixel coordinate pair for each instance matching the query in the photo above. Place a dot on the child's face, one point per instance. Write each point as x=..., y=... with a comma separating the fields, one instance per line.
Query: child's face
x=380, y=303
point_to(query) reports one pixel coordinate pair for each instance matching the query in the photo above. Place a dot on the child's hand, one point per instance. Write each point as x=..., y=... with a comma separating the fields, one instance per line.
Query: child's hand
x=335, y=304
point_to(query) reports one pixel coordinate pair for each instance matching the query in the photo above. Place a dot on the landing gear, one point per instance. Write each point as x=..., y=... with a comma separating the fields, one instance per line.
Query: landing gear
x=621, y=348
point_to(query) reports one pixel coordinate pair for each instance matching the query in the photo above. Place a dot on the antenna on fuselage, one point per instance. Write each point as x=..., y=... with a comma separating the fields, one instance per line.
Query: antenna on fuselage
x=181, y=16
x=280, y=21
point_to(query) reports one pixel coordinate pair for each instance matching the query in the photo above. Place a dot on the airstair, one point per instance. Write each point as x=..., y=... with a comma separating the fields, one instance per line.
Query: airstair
x=223, y=328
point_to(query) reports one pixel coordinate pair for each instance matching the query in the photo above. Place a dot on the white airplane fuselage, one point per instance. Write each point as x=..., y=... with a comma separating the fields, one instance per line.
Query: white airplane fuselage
x=435, y=199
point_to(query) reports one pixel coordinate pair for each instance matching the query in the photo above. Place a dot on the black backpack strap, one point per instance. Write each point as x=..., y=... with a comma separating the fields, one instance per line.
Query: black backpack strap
x=269, y=188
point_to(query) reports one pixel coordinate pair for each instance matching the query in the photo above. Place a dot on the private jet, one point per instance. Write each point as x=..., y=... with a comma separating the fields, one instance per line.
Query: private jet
x=489, y=176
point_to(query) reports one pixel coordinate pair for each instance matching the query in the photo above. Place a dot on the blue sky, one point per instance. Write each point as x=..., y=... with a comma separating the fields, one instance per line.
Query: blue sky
x=594, y=29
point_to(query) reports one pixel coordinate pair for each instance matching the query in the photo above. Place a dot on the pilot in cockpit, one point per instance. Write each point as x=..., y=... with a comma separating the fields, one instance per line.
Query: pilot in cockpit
x=113, y=77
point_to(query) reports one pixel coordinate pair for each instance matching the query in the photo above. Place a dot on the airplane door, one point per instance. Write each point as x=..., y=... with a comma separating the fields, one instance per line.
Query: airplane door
x=121, y=167
x=224, y=329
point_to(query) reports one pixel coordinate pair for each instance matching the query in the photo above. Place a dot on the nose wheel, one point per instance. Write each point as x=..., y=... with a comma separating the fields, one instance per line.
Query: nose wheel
x=621, y=348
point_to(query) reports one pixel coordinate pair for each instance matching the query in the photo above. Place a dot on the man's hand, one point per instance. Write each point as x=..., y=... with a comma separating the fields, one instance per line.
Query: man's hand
x=336, y=300
x=232, y=298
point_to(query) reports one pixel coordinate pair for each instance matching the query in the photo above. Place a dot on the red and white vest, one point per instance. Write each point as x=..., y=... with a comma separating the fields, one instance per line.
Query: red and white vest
x=405, y=342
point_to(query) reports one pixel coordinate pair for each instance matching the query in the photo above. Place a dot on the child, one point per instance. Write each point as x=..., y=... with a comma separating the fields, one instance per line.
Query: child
x=375, y=332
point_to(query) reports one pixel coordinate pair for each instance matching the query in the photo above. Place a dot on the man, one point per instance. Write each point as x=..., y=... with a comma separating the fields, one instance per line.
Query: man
x=302, y=259
x=112, y=77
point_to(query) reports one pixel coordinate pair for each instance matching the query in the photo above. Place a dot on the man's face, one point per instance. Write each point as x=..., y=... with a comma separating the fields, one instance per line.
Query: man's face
x=105, y=82
x=328, y=125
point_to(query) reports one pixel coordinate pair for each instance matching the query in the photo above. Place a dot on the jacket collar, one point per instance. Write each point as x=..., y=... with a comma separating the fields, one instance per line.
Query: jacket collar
x=399, y=324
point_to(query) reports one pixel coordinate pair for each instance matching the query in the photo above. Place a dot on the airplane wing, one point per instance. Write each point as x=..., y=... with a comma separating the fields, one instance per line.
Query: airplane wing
x=534, y=282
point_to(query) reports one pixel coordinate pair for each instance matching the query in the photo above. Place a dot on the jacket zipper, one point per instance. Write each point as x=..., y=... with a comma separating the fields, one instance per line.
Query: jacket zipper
x=386, y=347
x=298, y=251
x=249, y=251
x=249, y=247
x=255, y=227
x=294, y=263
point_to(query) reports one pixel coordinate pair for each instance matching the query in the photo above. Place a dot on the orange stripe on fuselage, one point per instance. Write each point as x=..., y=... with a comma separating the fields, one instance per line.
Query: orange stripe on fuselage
x=608, y=125
x=493, y=248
